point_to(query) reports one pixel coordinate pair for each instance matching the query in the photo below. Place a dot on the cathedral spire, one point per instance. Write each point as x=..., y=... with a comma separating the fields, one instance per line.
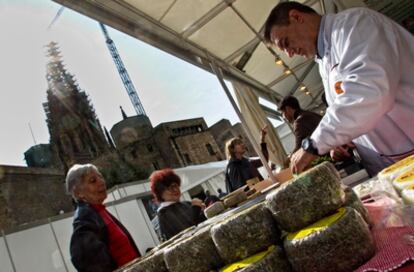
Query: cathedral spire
x=75, y=132
x=124, y=116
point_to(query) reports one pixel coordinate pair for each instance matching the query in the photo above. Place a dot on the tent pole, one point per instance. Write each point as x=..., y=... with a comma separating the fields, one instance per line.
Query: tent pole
x=217, y=71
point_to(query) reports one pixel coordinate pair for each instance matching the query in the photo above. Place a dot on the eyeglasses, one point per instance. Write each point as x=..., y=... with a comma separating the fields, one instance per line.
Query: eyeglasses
x=173, y=186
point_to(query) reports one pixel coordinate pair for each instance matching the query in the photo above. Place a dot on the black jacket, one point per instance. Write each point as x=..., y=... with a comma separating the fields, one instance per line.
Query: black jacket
x=177, y=217
x=89, y=242
x=239, y=171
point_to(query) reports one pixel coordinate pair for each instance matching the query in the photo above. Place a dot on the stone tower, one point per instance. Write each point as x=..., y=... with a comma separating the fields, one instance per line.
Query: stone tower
x=76, y=135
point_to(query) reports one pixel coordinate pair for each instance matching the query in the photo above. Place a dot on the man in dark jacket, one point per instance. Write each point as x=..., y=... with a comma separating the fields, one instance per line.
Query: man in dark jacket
x=304, y=122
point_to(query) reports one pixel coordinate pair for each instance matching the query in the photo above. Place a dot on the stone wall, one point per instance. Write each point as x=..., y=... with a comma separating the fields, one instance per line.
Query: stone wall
x=145, y=154
x=28, y=194
x=223, y=131
x=195, y=149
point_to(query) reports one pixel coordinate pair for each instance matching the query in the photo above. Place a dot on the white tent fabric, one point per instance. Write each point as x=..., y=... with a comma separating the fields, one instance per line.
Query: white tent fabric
x=256, y=119
x=227, y=31
x=190, y=176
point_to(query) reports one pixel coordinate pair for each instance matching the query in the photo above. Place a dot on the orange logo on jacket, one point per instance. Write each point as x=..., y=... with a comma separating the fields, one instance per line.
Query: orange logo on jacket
x=338, y=87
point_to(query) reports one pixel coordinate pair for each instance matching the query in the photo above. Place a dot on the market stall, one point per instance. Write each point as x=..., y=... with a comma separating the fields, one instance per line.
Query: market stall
x=316, y=230
x=311, y=222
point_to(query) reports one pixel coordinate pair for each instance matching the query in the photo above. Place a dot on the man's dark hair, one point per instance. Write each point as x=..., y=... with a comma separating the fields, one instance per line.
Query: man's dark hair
x=289, y=101
x=280, y=16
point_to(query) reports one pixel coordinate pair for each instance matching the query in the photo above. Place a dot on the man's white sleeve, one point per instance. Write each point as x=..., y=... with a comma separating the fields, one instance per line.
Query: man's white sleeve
x=369, y=71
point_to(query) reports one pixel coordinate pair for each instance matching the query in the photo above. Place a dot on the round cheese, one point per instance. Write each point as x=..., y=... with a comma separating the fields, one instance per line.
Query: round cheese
x=234, y=199
x=408, y=195
x=404, y=180
x=311, y=196
x=394, y=170
x=245, y=233
x=214, y=209
x=273, y=259
x=151, y=263
x=340, y=242
x=352, y=200
x=196, y=254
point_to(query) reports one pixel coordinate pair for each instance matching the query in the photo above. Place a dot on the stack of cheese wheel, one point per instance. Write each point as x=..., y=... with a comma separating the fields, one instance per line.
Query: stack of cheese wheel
x=273, y=259
x=393, y=171
x=313, y=195
x=404, y=180
x=245, y=233
x=408, y=194
x=340, y=242
x=196, y=253
x=352, y=200
x=235, y=198
x=152, y=263
x=214, y=209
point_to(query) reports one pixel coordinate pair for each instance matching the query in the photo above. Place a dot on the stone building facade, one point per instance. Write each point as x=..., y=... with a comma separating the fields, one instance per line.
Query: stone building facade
x=172, y=144
x=223, y=131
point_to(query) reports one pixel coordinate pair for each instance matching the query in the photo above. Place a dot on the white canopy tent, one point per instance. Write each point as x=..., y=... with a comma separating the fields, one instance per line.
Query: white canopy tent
x=223, y=37
x=226, y=32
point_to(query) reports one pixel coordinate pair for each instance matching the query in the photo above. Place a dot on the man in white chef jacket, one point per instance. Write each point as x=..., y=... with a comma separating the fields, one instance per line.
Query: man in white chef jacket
x=366, y=62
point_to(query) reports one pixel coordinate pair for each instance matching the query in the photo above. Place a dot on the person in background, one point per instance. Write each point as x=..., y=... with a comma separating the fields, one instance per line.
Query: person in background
x=366, y=62
x=210, y=199
x=239, y=168
x=99, y=242
x=174, y=215
x=304, y=122
x=221, y=193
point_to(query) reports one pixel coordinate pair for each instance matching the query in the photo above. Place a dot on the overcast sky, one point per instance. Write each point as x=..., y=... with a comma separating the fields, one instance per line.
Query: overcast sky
x=169, y=89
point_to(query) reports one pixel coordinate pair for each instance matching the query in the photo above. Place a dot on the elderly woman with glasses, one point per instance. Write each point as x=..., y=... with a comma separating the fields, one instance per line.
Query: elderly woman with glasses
x=99, y=242
x=173, y=215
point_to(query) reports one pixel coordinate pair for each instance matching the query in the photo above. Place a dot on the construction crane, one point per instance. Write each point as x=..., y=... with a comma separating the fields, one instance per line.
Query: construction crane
x=126, y=80
x=129, y=86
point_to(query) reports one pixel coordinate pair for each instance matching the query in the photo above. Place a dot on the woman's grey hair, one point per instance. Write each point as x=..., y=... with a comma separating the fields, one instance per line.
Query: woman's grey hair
x=75, y=175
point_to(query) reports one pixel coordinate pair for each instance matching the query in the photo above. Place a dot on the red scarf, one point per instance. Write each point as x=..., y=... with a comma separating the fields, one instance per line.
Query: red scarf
x=120, y=247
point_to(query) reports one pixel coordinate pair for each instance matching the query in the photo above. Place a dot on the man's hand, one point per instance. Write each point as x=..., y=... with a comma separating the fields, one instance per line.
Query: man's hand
x=341, y=153
x=300, y=160
x=263, y=133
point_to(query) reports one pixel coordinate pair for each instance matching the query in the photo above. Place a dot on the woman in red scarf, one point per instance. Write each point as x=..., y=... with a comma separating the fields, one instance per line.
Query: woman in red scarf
x=99, y=241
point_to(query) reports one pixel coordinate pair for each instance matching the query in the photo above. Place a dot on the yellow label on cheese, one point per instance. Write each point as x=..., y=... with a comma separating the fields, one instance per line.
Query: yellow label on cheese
x=404, y=162
x=317, y=226
x=406, y=176
x=248, y=261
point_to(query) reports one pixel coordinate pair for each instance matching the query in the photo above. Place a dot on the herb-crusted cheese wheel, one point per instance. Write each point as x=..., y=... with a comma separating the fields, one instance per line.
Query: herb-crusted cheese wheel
x=391, y=172
x=340, y=242
x=273, y=259
x=152, y=263
x=404, y=180
x=352, y=200
x=313, y=195
x=196, y=254
x=245, y=233
x=408, y=195
x=214, y=209
x=233, y=200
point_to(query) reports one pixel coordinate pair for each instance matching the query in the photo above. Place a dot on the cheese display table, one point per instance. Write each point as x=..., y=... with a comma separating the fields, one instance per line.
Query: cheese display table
x=260, y=231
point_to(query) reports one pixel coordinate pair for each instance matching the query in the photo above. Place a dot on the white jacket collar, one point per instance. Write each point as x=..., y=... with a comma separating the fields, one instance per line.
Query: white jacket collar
x=165, y=204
